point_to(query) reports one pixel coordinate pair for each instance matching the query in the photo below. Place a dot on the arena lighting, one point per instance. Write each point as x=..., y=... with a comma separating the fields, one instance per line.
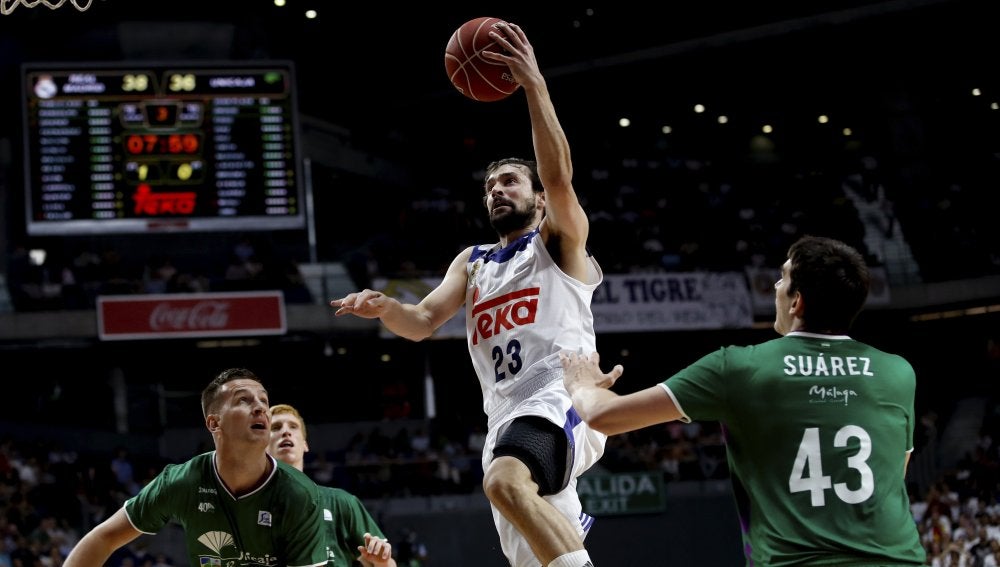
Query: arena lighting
x=37, y=256
x=951, y=314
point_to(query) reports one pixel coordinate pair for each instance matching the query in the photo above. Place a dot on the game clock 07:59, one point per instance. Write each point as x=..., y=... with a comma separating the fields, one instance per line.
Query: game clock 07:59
x=163, y=144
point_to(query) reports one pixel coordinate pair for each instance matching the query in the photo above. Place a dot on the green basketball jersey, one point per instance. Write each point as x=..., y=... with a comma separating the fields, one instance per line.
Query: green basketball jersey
x=817, y=429
x=279, y=524
x=346, y=521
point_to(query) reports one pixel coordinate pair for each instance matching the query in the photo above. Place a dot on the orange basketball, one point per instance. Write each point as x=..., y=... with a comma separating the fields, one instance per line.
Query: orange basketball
x=473, y=75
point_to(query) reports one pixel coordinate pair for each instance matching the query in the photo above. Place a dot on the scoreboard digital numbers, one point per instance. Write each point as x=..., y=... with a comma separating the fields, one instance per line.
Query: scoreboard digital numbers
x=140, y=148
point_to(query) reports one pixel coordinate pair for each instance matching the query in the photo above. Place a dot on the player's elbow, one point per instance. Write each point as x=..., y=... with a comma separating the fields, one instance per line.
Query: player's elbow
x=415, y=337
x=558, y=182
x=410, y=323
x=608, y=415
x=418, y=332
x=596, y=417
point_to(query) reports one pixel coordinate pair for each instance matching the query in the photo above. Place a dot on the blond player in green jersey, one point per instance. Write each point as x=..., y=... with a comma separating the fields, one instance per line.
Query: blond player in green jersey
x=353, y=533
x=818, y=426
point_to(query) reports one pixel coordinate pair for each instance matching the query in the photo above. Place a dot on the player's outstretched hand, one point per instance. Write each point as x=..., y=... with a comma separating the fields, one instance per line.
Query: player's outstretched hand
x=366, y=303
x=583, y=371
x=376, y=552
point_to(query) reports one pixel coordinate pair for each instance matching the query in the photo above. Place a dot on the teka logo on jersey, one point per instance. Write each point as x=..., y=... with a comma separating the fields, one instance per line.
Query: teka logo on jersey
x=504, y=312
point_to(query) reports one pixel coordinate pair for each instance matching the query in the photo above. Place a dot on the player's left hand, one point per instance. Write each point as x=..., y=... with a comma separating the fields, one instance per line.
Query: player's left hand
x=583, y=371
x=376, y=552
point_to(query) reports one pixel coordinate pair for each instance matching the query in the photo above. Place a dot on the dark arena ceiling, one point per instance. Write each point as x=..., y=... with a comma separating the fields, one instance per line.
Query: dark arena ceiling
x=379, y=70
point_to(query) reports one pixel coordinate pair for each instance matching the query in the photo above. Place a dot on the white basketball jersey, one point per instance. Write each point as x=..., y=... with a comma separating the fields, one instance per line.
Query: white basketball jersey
x=521, y=310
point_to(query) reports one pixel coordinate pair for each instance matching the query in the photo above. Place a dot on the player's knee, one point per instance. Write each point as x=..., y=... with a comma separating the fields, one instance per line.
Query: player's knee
x=500, y=491
x=503, y=488
x=494, y=483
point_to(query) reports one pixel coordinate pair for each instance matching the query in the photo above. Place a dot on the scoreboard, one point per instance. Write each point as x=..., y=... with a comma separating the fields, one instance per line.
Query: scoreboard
x=136, y=148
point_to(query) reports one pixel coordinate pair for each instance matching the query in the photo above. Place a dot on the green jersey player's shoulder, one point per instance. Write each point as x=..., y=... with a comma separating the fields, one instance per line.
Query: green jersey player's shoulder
x=192, y=469
x=738, y=357
x=296, y=478
x=181, y=479
x=783, y=343
x=898, y=363
x=880, y=352
x=340, y=495
x=747, y=351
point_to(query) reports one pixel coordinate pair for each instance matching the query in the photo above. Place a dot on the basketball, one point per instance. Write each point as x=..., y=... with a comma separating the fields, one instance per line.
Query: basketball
x=473, y=75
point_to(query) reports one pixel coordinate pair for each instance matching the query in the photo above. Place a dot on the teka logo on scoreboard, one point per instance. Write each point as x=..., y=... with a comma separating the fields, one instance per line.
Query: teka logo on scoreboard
x=505, y=312
x=176, y=202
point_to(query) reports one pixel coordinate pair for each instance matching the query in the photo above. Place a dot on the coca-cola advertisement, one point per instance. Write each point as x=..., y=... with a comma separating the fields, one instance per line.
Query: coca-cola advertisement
x=125, y=317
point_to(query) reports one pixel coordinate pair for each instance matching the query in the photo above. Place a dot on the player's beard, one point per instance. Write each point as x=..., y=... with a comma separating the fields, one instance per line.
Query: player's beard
x=517, y=218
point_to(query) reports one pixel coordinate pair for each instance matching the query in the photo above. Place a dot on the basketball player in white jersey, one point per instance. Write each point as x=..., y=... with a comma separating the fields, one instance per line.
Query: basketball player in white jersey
x=527, y=297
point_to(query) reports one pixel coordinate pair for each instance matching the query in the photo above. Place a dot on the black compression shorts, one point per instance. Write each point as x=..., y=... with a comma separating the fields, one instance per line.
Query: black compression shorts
x=542, y=446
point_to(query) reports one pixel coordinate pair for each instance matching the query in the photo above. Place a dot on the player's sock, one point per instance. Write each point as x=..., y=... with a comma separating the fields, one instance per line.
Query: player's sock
x=573, y=559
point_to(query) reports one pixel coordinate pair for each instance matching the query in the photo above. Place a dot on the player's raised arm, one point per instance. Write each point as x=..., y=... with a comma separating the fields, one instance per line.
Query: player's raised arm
x=564, y=217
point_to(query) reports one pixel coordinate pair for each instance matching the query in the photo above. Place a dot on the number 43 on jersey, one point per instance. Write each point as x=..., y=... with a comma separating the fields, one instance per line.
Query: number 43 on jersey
x=816, y=483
